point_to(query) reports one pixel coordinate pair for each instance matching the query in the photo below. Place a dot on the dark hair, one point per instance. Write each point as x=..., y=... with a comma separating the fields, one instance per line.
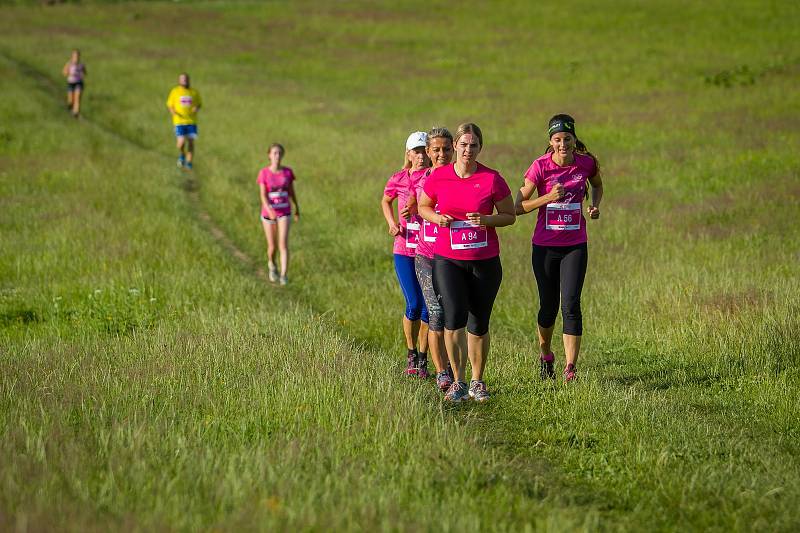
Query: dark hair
x=469, y=127
x=579, y=146
x=279, y=147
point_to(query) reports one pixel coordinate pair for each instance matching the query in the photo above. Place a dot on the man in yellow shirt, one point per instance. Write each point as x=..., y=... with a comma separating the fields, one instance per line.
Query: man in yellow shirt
x=183, y=103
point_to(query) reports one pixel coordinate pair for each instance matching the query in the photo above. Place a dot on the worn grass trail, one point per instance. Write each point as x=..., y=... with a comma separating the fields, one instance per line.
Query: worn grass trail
x=686, y=412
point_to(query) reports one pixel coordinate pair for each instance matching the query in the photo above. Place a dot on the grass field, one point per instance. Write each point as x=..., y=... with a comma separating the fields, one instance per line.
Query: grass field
x=151, y=379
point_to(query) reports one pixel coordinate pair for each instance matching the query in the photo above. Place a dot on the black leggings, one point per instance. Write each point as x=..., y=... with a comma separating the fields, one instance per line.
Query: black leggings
x=560, y=271
x=468, y=290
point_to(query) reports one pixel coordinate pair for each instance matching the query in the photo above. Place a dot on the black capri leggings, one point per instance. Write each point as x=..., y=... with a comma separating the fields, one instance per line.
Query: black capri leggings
x=468, y=290
x=560, y=271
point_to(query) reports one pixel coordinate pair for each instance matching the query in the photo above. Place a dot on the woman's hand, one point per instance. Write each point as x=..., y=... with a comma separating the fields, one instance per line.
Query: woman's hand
x=444, y=220
x=593, y=212
x=405, y=212
x=476, y=219
x=297, y=217
x=394, y=229
x=556, y=193
x=271, y=213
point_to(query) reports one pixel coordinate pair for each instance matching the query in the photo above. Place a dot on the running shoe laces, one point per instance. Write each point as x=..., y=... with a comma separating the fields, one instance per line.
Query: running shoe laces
x=477, y=391
x=457, y=392
x=443, y=380
x=411, y=363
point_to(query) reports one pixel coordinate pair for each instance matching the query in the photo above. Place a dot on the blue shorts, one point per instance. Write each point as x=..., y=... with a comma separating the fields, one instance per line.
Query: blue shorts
x=186, y=130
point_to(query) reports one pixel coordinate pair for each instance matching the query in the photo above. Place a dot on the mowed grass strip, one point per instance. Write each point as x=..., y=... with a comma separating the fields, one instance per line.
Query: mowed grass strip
x=686, y=410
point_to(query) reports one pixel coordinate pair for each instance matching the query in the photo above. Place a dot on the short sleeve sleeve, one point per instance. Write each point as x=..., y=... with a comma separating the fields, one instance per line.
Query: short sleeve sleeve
x=262, y=177
x=290, y=177
x=390, y=189
x=534, y=173
x=430, y=187
x=500, y=189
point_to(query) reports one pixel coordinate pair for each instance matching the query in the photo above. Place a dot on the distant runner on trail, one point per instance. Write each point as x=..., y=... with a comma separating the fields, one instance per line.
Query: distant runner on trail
x=183, y=103
x=560, y=253
x=75, y=72
x=406, y=235
x=439, y=147
x=276, y=185
x=466, y=265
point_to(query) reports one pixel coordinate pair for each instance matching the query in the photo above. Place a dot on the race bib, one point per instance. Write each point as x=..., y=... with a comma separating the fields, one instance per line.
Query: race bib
x=429, y=231
x=186, y=101
x=279, y=199
x=465, y=236
x=412, y=234
x=563, y=217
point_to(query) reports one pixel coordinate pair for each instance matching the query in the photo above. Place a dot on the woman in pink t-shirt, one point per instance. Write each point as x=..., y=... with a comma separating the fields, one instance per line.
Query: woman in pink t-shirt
x=406, y=235
x=439, y=148
x=75, y=72
x=466, y=266
x=560, y=254
x=276, y=185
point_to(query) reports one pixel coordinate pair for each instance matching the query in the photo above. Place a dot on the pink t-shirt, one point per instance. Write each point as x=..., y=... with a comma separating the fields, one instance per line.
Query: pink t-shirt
x=456, y=197
x=277, y=185
x=75, y=72
x=561, y=223
x=401, y=186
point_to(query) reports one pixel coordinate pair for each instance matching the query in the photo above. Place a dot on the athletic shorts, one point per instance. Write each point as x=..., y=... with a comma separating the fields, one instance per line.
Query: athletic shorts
x=186, y=130
x=274, y=220
x=77, y=86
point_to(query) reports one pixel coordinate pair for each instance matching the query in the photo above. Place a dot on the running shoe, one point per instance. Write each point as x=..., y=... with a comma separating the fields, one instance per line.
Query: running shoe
x=477, y=391
x=411, y=364
x=283, y=280
x=546, y=370
x=570, y=373
x=273, y=273
x=422, y=367
x=181, y=161
x=189, y=165
x=457, y=392
x=444, y=380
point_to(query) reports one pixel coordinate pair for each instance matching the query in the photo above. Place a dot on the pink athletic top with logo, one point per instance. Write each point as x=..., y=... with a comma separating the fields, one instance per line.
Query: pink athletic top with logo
x=75, y=72
x=561, y=223
x=458, y=196
x=277, y=185
x=400, y=186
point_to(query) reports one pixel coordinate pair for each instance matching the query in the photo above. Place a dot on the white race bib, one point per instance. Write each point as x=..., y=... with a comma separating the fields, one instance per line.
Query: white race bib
x=464, y=235
x=563, y=216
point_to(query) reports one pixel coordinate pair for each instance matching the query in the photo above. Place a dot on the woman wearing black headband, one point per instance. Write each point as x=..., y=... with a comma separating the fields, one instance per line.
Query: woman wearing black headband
x=559, y=241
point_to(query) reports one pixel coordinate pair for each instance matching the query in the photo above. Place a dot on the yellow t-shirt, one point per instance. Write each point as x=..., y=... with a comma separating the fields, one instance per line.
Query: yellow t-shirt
x=182, y=100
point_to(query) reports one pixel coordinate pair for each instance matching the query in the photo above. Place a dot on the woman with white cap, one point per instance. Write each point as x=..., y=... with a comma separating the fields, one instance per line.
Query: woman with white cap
x=405, y=230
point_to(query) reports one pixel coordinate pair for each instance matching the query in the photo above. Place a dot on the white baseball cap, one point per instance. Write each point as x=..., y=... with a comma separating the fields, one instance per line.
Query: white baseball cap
x=416, y=139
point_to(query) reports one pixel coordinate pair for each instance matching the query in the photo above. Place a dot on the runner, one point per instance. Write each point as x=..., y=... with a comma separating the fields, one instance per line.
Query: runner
x=559, y=255
x=183, y=103
x=466, y=265
x=439, y=148
x=406, y=235
x=75, y=72
x=276, y=183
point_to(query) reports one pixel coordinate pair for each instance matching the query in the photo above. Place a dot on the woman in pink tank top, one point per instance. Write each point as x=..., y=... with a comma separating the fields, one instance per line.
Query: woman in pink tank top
x=75, y=72
x=276, y=186
x=560, y=254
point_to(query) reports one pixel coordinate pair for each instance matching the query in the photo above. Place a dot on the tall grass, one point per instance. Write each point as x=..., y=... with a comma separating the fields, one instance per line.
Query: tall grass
x=150, y=380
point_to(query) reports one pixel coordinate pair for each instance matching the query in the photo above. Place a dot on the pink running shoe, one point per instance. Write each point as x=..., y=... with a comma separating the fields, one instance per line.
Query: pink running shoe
x=570, y=373
x=444, y=380
x=546, y=370
x=411, y=365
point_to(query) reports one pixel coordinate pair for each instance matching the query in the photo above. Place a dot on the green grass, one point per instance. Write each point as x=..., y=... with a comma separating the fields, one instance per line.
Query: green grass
x=152, y=380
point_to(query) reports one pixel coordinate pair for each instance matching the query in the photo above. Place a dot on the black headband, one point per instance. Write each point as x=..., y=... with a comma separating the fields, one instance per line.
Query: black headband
x=561, y=125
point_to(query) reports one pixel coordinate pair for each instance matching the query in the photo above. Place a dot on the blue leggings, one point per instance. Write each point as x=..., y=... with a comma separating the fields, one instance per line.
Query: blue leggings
x=407, y=276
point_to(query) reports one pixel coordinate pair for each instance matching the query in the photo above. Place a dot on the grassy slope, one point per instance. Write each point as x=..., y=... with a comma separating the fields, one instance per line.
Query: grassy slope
x=686, y=414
